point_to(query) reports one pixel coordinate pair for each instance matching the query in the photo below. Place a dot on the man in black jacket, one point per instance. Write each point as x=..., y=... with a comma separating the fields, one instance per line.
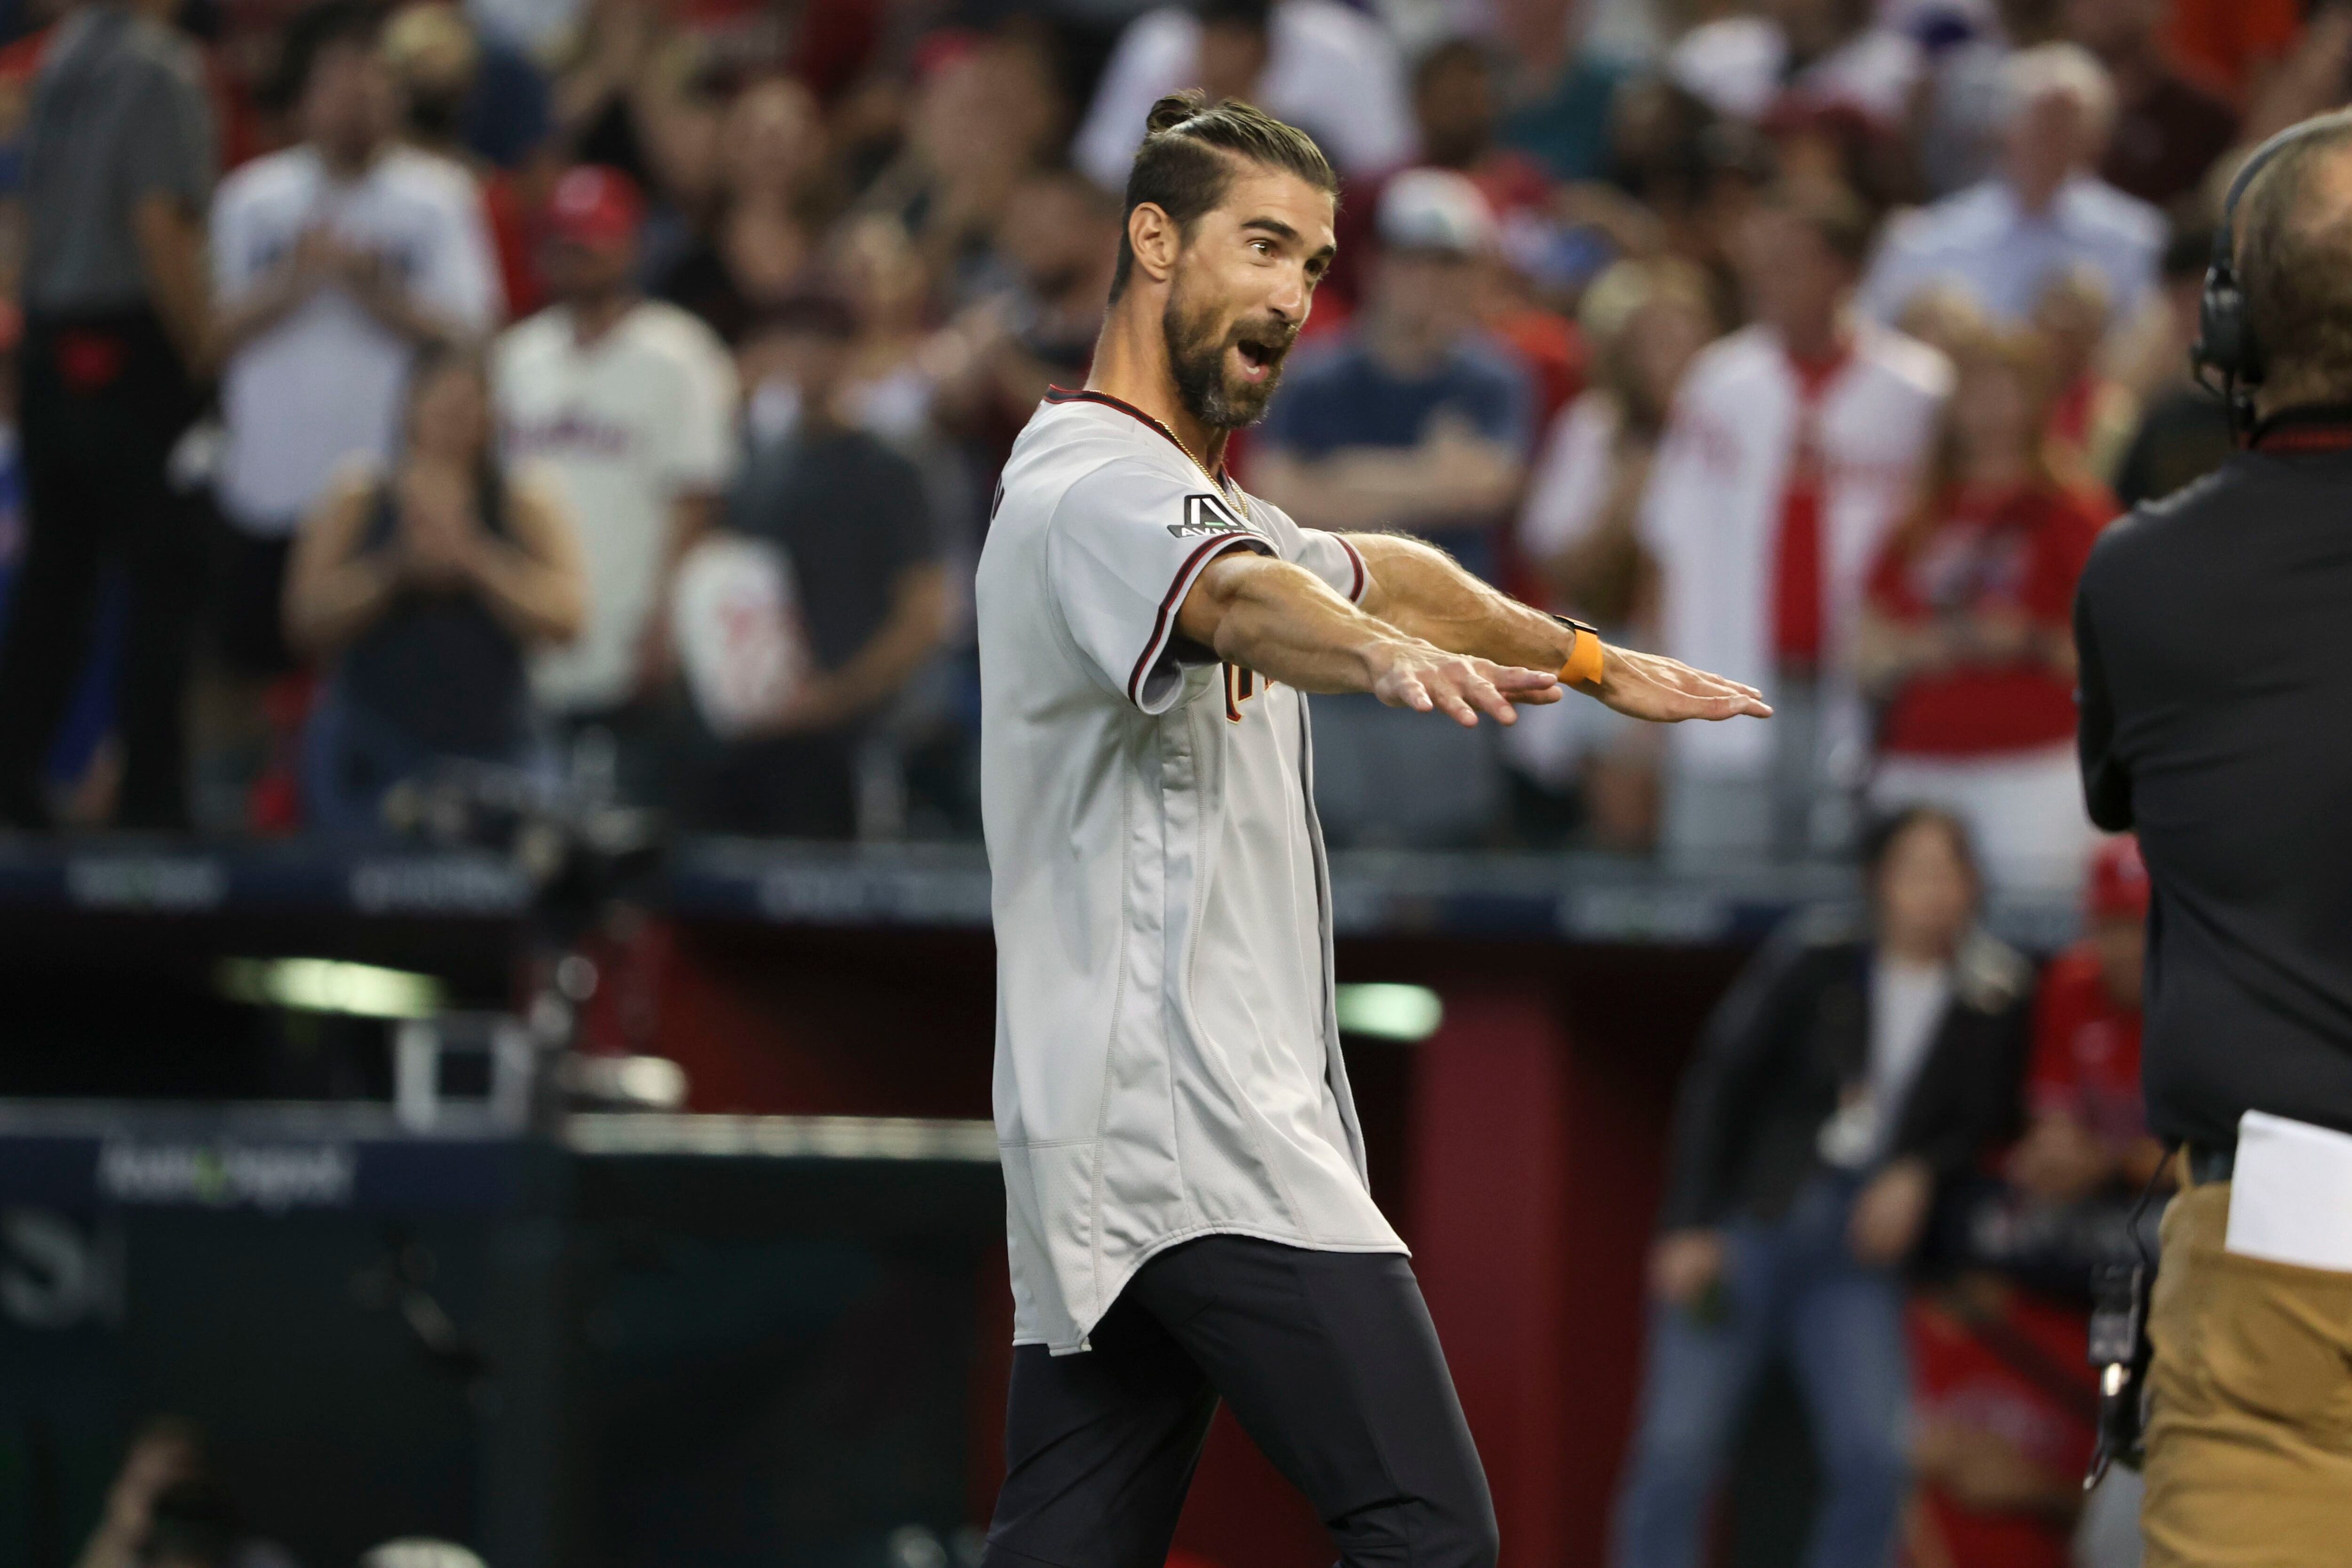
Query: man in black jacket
x=1850, y=1071
x=2215, y=629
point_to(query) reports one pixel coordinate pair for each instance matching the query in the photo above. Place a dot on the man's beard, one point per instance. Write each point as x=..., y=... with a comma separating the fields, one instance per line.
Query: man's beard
x=1196, y=358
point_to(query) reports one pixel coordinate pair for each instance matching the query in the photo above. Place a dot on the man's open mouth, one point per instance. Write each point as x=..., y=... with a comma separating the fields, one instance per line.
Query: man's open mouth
x=1259, y=357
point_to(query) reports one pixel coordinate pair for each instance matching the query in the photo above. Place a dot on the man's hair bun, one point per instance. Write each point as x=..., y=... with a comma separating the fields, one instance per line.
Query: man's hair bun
x=1175, y=109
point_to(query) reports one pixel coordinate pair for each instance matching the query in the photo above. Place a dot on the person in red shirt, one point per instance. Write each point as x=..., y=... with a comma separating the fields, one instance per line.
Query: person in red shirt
x=2088, y=1126
x=1965, y=641
x=2004, y=1407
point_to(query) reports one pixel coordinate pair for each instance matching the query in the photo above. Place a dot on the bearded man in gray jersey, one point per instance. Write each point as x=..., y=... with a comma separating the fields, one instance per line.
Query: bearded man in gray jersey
x=1186, y=1201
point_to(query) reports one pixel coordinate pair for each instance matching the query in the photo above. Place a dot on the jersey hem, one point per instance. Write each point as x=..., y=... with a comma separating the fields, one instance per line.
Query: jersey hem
x=1255, y=1233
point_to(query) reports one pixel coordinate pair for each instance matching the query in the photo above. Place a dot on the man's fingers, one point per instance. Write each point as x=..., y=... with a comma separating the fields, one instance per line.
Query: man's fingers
x=1400, y=690
x=1490, y=700
x=1512, y=678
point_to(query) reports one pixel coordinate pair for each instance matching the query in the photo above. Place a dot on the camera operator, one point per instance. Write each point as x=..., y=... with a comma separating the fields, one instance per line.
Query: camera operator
x=2215, y=630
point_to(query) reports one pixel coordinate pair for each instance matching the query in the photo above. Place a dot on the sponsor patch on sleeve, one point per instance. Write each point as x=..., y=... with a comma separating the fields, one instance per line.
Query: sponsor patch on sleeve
x=1206, y=515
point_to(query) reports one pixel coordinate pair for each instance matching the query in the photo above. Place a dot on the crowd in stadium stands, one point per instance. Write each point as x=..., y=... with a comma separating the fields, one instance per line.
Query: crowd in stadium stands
x=1812, y=341
x=615, y=389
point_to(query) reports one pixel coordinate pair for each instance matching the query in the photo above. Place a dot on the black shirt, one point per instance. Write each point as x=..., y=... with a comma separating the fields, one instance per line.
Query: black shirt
x=852, y=515
x=1793, y=1037
x=439, y=666
x=2215, y=629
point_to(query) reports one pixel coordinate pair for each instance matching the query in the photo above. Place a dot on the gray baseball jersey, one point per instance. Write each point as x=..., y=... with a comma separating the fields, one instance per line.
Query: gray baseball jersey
x=1167, y=1060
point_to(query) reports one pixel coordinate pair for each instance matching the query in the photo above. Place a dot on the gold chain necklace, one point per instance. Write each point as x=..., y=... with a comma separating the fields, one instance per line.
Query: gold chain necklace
x=1226, y=487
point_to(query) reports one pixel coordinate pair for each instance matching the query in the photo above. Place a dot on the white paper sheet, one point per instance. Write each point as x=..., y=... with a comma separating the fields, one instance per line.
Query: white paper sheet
x=2291, y=1197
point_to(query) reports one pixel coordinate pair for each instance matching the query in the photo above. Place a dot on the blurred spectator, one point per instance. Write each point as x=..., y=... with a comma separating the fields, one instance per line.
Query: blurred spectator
x=2236, y=44
x=117, y=166
x=2005, y=1404
x=631, y=403
x=1322, y=66
x=1410, y=420
x=1966, y=638
x=1955, y=141
x=850, y=516
x=2168, y=130
x=1564, y=123
x=2184, y=430
x=333, y=261
x=472, y=99
x=1547, y=248
x=1643, y=322
x=1945, y=317
x=443, y=68
x=2045, y=212
x=1694, y=177
x=771, y=152
x=425, y=583
x=1797, y=56
x=984, y=116
x=2091, y=414
x=1847, y=1075
x=890, y=388
x=1058, y=237
x=1453, y=106
x=631, y=95
x=2087, y=1128
x=1792, y=449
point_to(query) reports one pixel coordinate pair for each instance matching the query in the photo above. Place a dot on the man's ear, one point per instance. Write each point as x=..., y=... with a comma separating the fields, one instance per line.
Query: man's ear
x=1155, y=239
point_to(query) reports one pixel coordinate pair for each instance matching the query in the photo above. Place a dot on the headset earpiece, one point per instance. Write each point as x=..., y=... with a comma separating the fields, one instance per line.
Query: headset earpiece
x=2224, y=342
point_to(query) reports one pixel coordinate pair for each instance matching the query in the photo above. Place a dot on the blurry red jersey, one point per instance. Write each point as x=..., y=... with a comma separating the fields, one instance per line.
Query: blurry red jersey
x=2016, y=554
x=2086, y=1051
x=2020, y=1381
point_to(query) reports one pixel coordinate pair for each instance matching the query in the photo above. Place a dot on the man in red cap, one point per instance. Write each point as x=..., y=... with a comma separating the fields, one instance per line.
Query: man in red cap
x=2089, y=1124
x=629, y=402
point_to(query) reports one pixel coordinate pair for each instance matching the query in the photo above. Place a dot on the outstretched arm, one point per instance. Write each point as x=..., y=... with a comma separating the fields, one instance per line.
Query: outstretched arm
x=1287, y=625
x=1420, y=590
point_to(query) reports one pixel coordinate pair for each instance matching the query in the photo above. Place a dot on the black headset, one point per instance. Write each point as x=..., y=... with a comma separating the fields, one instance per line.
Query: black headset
x=2225, y=340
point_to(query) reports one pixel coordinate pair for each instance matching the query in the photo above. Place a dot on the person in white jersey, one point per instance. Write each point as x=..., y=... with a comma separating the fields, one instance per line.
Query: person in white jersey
x=1186, y=1201
x=334, y=262
x=630, y=404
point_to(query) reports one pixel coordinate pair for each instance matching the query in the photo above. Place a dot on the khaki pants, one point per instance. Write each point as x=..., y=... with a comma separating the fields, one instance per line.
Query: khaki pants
x=2250, y=1437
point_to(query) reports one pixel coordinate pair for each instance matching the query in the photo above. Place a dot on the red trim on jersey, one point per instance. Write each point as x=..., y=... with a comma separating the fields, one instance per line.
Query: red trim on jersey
x=1081, y=394
x=1194, y=564
x=1363, y=577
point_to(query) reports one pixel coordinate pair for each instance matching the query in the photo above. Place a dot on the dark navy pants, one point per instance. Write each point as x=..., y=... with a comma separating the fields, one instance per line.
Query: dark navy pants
x=1328, y=1359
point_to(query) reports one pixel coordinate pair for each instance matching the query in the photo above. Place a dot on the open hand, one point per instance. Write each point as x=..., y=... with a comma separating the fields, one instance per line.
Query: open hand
x=1427, y=679
x=1683, y=1264
x=1889, y=1212
x=1666, y=690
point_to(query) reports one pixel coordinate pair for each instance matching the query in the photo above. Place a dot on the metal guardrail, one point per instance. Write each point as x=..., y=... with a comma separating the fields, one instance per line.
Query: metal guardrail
x=1522, y=897
x=782, y=1137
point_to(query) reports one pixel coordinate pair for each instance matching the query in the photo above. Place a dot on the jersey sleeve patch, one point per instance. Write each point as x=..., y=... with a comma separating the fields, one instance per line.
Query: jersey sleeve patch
x=1208, y=516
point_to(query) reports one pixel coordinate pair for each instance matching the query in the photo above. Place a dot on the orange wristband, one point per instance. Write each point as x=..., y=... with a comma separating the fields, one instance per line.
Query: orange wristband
x=1585, y=665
